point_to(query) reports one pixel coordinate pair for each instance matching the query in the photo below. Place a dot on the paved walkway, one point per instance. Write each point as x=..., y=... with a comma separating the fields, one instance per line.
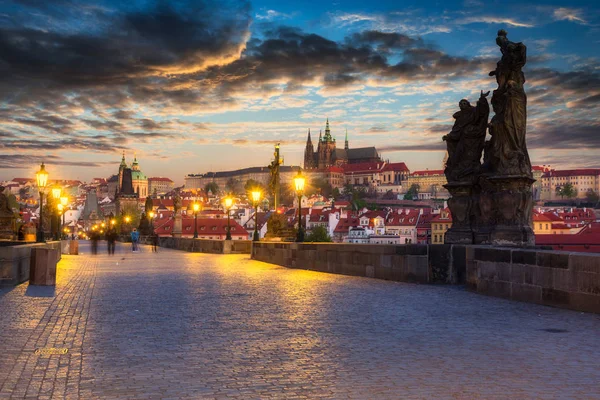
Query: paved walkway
x=196, y=326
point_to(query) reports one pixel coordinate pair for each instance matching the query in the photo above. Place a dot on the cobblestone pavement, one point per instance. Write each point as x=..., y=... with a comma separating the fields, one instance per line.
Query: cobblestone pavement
x=196, y=326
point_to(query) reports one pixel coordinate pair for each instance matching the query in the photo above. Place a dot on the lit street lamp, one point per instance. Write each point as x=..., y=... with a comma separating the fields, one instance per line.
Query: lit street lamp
x=228, y=204
x=196, y=208
x=255, y=199
x=299, y=182
x=42, y=181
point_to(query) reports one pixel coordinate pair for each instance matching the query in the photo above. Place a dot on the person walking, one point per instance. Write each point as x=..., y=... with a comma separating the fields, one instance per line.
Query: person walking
x=135, y=237
x=154, y=238
x=94, y=239
x=111, y=238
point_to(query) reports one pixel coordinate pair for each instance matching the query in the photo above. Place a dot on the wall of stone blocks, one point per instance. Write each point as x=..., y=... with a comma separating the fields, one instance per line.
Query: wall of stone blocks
x=15, y=261
x=404, y=263
x=207, y=245
x=562, y=279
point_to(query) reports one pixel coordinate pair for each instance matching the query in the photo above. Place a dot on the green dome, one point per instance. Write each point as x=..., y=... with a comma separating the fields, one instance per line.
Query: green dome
x=138, y=175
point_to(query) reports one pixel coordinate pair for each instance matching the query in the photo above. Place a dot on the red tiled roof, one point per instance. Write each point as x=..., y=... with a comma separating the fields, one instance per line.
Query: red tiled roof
x=335, y=169
x=346, y=223
x=572, y=172
x=428, y=172
x=159, y=179
x=362, y=167
x=396, y=167
x=403, y=219
x=540, y=217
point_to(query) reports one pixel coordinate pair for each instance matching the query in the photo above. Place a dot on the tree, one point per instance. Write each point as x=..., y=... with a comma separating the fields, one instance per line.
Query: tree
x=567, y=191
x=389, y=195
x=322, y=187
x=252, y=185
x=412, y=193
x=231, y=185
x=212, y=187
x=592, y=196
x=335, y=193
x=318, y=234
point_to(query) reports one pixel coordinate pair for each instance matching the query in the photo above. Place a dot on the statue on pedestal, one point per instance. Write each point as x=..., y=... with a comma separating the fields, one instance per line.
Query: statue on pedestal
x=7, y=217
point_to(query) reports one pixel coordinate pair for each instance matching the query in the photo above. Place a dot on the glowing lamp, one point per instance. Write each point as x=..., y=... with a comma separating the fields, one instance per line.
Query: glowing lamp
x=42, y=177
x=255, y=196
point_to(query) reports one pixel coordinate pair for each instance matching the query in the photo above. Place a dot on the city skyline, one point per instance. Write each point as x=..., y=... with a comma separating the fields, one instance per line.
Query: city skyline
x=192, y=87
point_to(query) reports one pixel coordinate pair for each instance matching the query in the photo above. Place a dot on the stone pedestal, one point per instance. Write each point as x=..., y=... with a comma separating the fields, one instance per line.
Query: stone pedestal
x=505, y=211
x=7, y=227
x=42, y=270
x=177, y=226
x=461, y=205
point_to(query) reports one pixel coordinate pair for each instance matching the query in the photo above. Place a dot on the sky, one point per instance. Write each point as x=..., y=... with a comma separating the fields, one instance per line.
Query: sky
x=198, y=86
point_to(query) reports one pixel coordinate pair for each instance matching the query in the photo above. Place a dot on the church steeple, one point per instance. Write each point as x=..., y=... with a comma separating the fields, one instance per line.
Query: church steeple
x=135, y=166
x=346, y=141
x=309, y=153
x=328, y=137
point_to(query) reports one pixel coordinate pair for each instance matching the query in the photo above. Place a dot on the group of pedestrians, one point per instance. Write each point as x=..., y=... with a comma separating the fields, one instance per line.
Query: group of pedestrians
x=111, y=239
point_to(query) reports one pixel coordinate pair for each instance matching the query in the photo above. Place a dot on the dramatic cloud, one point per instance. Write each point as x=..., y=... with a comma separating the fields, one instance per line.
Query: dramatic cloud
x=569, y=14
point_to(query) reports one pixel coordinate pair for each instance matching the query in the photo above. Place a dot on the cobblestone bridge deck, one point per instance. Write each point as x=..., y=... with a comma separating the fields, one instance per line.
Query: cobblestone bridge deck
x=188, y=325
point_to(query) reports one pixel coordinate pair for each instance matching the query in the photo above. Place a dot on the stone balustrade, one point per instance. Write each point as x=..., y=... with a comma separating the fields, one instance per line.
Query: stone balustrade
x=15, y=260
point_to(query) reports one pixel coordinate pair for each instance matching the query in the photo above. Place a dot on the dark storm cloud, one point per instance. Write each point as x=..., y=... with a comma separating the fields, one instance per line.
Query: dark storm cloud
x=94, y=144
x=385, y=41
x=566, y=133
x=17, y=161
x=136, y=43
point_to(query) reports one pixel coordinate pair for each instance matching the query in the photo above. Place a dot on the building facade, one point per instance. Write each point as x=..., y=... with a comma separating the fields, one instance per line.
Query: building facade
x=582, y=180
x=158, y=186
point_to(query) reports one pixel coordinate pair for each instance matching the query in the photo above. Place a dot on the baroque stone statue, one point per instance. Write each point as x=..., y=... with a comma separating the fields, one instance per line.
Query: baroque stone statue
x=506, y=152
x=466, y=140
x=176, y=203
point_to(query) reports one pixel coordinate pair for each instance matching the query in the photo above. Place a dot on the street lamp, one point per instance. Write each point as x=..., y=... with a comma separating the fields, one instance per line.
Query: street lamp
x=42, y=181
x=56, y=195
x=64, y=201
x=196, y=208
x=299, y=182
x=255, y=199
x=228, y=204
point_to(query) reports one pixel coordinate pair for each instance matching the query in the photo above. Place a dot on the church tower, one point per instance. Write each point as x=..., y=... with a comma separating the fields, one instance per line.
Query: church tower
x=122, y=166
x=326, y=149
x=309, y=154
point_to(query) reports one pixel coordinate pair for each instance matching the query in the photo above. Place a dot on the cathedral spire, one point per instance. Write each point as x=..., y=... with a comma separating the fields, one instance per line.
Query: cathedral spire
x=327, y=137
x=346, y=142
x=320, y=135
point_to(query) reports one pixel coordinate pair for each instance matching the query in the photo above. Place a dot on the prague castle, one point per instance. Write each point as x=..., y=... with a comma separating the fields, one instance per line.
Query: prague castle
x=328, y=154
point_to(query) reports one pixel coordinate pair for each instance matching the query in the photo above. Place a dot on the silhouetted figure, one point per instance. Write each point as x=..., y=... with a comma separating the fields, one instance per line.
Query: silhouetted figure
x=21, y=233
x=154, y=238
x=94, y=238
x=111, y=238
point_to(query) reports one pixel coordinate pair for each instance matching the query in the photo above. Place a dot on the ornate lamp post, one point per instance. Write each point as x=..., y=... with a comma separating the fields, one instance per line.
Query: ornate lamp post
x=64, y=201
x=228, y=204
x=60, y=208
x=56, y=221
x=255, y=199
x=151, y=215
x=299, y=182
x=42, y=181
x=196, y=208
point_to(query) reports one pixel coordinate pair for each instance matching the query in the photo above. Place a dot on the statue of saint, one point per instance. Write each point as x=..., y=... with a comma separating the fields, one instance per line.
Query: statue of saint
x=176, y=203
x=466, y=139
x=507, y=148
